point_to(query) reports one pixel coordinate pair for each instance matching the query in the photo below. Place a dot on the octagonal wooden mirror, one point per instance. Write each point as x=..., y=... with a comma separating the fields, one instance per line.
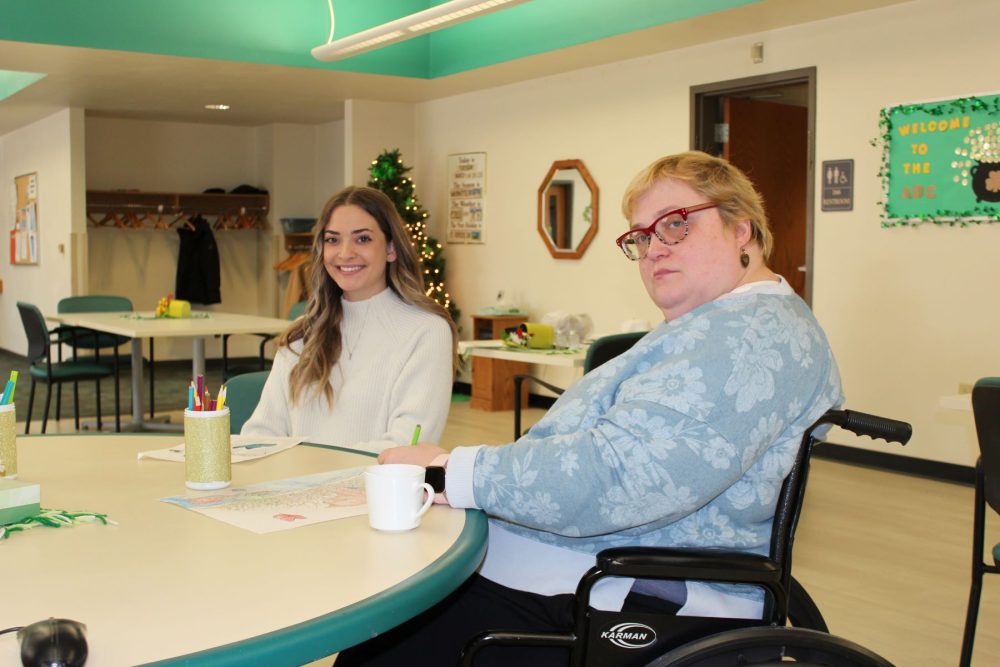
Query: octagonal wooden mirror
x=567, y=209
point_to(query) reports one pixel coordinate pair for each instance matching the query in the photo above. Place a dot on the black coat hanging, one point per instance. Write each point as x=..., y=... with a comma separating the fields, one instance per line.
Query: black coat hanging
x=198, y=274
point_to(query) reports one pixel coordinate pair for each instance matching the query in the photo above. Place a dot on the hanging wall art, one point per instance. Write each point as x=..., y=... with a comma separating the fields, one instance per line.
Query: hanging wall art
x=941, y=162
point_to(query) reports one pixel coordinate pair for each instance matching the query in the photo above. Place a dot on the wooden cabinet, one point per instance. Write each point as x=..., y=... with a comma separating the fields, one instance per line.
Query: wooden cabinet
x=493, y=379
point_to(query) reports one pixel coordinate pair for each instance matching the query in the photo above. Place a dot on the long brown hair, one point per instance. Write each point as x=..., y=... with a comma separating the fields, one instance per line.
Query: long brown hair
x=319, y=328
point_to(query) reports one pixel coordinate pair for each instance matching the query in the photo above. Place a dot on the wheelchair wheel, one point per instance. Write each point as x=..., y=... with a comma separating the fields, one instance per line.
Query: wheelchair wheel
x=771, y=646
x=802, y=611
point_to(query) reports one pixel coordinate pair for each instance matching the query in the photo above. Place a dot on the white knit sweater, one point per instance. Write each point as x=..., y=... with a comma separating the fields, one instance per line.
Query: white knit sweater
x=395, y=371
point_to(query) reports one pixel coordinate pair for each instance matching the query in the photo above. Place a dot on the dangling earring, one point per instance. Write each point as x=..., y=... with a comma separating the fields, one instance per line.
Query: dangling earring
x=744, y=258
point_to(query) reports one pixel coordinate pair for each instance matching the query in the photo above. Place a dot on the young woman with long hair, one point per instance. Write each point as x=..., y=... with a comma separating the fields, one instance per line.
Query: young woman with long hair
x=373, y=356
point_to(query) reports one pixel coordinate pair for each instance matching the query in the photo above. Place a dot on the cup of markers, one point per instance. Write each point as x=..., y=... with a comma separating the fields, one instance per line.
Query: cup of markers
x=207, y=454
x=8, y=435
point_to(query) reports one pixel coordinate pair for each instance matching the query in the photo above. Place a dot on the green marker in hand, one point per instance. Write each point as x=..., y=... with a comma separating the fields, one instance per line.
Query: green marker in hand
x=416, y=435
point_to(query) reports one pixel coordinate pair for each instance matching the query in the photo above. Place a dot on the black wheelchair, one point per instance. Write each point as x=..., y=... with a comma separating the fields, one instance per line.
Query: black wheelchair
x=626, y=639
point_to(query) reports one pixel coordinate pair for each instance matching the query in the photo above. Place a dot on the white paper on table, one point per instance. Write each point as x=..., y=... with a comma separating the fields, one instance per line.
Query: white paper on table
x=285, y=503
x=243, y=447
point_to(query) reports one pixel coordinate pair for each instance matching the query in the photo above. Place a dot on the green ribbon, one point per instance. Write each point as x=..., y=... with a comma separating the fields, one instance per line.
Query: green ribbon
x=52, y=519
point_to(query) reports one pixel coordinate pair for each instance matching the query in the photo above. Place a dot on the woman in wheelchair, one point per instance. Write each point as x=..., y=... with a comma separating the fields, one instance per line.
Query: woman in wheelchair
x=683, y=440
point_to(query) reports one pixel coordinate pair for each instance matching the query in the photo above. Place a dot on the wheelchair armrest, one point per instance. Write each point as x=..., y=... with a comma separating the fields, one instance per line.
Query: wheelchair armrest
x=701, y=564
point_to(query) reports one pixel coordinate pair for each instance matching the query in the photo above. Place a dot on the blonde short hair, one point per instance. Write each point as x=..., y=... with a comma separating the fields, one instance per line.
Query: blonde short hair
x=718, y=180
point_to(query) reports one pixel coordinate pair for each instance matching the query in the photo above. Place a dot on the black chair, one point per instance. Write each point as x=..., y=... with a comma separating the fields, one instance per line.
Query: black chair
x=986, y=408
x=589, y=641
x=42, y=369
x=601, y=350
x=297, y=309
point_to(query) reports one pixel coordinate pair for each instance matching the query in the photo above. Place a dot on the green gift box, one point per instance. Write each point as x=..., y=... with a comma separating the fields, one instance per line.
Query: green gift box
x=18, y=500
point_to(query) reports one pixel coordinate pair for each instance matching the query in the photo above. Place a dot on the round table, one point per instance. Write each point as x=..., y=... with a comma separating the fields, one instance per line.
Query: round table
x=166, y=585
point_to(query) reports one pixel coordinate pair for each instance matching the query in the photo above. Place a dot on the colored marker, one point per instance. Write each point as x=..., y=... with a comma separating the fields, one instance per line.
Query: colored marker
x=416, y=435
x=8, y=391
x=221, y=398
x=191, y=397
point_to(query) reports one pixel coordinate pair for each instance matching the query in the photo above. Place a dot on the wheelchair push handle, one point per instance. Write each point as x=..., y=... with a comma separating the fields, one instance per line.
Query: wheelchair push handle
x=862, y=423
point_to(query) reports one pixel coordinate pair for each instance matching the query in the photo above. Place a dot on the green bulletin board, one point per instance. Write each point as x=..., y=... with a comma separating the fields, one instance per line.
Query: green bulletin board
x=941, y=161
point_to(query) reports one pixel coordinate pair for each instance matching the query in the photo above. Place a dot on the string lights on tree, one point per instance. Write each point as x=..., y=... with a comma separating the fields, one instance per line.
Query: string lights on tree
x=388, y=174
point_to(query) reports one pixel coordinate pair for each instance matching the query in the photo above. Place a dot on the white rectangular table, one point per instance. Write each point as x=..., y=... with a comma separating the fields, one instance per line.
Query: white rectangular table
x=493, y=383
x=139, y=325
x=495, y=349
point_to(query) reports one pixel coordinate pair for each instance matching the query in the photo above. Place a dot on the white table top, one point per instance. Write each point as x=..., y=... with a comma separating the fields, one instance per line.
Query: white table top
x=147, y=326
x=495, y=349
x=168, y=582
x=956, y=402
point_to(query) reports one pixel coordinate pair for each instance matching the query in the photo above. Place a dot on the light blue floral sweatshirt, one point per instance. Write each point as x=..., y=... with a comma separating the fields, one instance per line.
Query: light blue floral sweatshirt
x=683, y=440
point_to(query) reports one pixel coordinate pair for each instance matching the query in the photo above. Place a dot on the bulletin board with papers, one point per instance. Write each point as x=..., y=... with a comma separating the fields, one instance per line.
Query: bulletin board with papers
x=24, y=235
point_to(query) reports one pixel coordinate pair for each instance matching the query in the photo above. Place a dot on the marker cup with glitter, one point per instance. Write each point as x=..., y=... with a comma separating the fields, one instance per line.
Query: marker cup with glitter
x=207, y=454
x=8, y=442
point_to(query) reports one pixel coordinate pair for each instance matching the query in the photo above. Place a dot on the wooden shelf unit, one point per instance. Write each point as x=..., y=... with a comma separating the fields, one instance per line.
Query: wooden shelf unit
x=493, y=379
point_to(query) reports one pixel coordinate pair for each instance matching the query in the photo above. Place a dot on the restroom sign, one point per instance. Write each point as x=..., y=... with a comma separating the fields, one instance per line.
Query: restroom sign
x=838, y=185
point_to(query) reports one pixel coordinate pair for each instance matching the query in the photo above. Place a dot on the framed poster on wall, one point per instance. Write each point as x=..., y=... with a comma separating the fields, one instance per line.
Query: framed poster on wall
x=24, y=235
x=466, y=188
x=941, y=161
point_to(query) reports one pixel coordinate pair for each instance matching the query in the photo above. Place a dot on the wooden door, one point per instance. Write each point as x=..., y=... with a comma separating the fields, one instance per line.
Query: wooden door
x=768, y=141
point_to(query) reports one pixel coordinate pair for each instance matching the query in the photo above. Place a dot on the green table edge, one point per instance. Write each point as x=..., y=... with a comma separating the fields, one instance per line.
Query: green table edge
x=319, y=637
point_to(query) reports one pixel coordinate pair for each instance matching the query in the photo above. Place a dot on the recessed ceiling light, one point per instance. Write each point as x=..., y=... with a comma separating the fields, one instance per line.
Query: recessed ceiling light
x=217, y=107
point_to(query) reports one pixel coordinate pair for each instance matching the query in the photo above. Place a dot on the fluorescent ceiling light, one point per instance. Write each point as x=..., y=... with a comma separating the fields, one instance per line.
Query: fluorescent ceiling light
x=420, y=23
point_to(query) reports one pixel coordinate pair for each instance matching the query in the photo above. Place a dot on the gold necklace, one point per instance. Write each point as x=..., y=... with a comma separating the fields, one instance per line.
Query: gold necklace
x=357, y=339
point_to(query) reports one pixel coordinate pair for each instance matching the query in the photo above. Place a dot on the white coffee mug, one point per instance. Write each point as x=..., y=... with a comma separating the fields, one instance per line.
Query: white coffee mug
x=396, y=496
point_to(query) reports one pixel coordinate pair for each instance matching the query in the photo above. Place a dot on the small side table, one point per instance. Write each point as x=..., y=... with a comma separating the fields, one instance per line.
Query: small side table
x=493, y=379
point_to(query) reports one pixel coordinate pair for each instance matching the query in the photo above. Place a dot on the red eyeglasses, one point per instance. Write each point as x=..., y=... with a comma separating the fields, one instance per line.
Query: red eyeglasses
x=670, y=228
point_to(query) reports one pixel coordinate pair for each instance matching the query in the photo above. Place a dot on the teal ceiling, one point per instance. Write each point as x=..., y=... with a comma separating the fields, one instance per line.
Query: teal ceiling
x=11, y=82
x=283, y=32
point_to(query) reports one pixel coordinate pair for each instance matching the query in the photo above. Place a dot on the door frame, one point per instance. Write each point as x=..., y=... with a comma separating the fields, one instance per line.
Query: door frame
x=806, y=75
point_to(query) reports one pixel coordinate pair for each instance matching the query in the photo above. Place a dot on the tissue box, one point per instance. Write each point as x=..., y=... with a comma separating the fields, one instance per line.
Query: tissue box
x=179, y=309
x=18, y=500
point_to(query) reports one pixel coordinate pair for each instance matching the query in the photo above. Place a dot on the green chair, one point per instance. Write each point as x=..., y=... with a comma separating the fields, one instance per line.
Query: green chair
x=601, y=350
x=297, y=309
x=81, y=339
x=986, y=409
x=42, y=368
x=242, y=395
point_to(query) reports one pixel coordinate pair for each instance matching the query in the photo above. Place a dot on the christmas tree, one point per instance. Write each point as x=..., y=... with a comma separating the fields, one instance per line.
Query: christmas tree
x=388, y=174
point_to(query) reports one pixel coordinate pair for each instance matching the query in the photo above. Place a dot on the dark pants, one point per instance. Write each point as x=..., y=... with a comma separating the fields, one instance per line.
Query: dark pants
x=436, y=637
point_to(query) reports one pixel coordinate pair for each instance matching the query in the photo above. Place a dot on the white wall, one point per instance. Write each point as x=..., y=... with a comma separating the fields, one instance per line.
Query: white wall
x=903, y=308
x=52, y=148
x=371, y=128
x=170, y=157
x=330, y=176
x=155, y=156
x=289, y=173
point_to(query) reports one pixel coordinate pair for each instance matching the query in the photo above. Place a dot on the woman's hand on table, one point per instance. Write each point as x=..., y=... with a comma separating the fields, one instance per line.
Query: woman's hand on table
x=421, y=454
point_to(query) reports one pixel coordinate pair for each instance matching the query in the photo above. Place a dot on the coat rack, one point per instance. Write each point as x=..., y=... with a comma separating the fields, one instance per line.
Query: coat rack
x=166, y=210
